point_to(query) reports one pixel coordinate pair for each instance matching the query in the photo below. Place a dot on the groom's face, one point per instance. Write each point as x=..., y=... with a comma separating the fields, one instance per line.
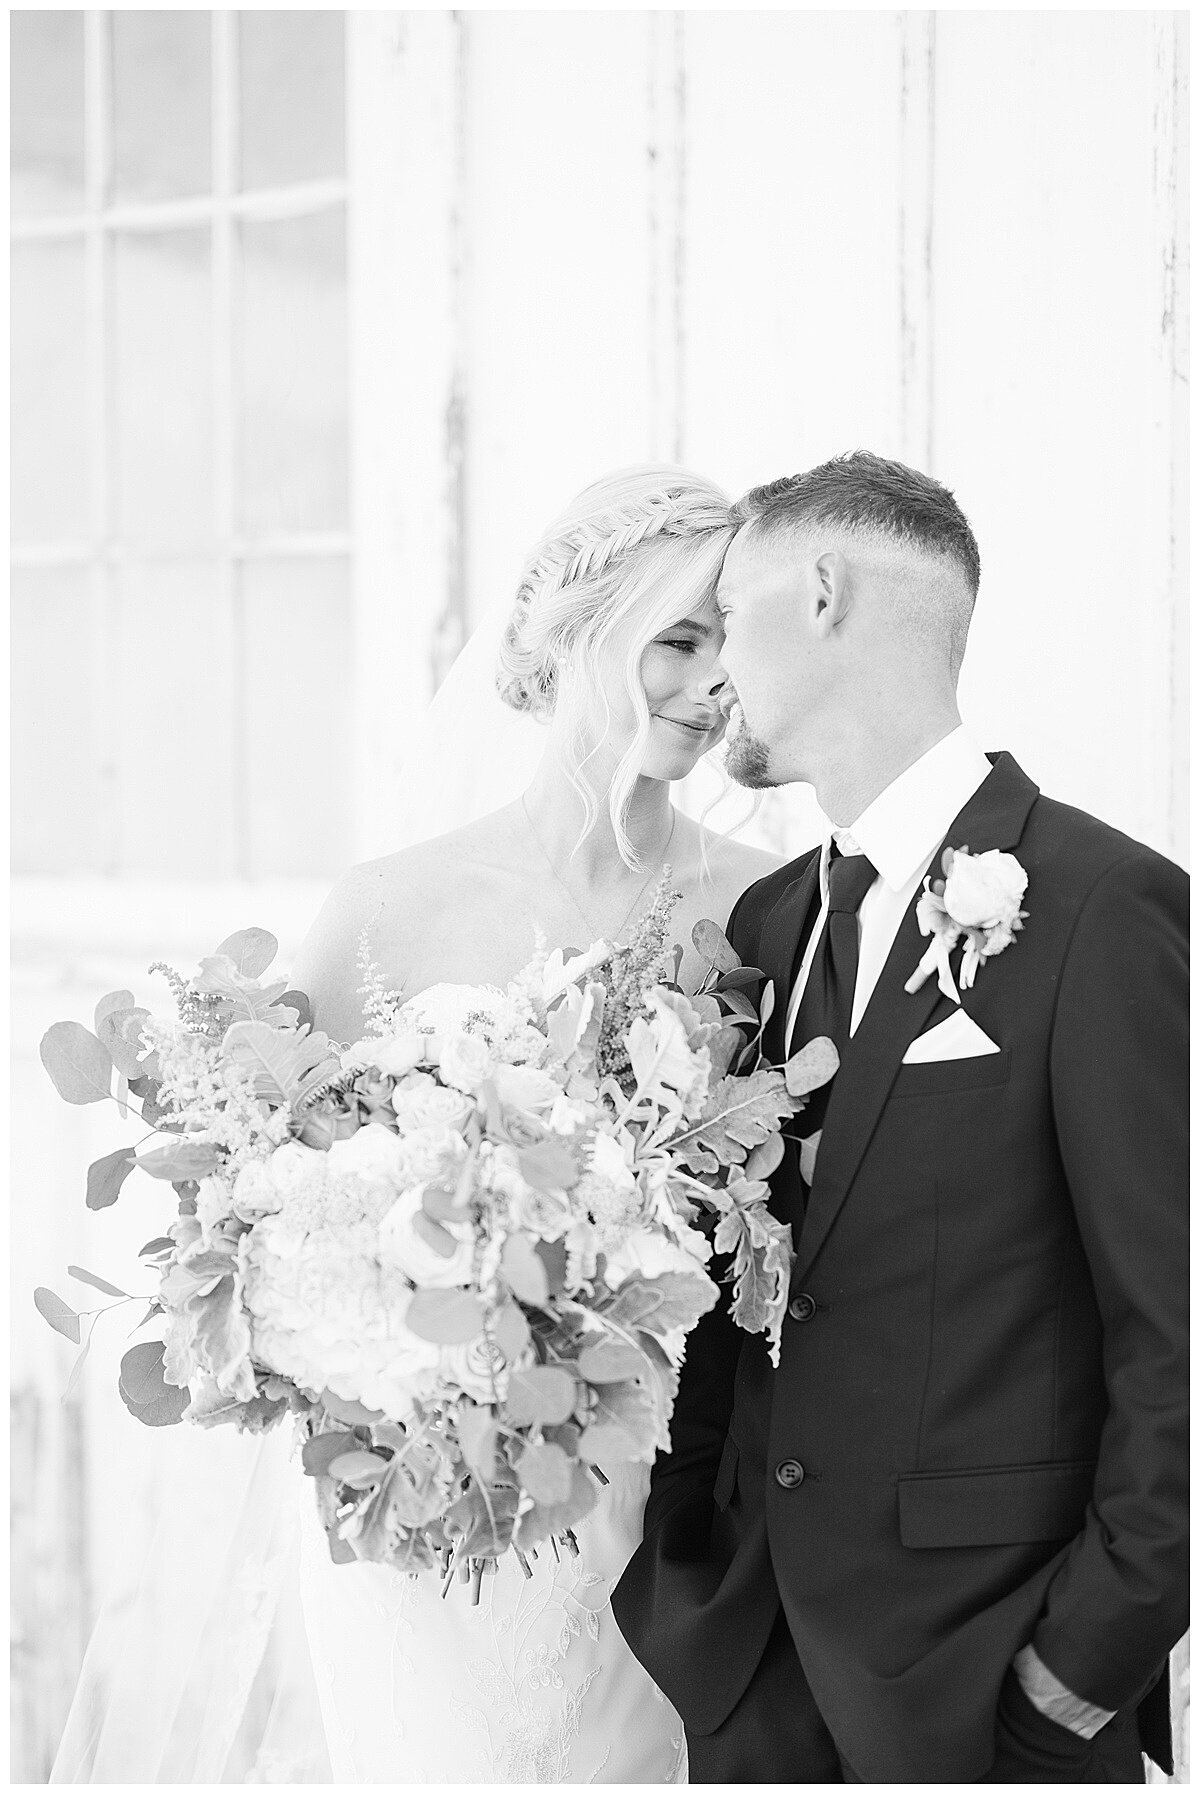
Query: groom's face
x=761, y=600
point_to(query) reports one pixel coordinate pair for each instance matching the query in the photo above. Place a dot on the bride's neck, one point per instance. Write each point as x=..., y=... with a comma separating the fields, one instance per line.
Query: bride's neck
x=556, y=811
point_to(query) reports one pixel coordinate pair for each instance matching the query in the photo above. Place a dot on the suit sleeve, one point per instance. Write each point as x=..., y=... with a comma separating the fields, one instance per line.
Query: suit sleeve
x=1119, y=1087
x=705, y=1399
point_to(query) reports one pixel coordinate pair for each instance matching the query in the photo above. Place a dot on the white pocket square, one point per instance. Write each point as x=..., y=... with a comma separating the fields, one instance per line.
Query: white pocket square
x=958, y=1037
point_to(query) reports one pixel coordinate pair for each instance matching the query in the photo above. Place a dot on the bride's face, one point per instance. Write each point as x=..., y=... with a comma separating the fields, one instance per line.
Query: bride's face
x=683, y=683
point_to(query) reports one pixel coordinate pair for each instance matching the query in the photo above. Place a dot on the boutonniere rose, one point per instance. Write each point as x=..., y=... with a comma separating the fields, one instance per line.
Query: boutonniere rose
x=977, y=900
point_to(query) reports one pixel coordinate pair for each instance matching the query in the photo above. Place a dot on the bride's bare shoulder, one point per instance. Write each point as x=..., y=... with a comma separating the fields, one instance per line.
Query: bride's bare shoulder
x=733, y=866
x=393, y=900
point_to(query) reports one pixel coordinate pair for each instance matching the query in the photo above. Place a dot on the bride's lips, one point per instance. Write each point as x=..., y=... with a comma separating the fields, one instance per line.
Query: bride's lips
x=699, y=730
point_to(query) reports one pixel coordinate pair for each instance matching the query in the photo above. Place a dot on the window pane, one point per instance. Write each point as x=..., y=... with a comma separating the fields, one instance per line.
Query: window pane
x=54, y=782
x=49, y=393
x=162, y=130
x=293, y=124
x=174, y=747
x=296, y=618
x=46, y=88
x=162, y=389
x=293, y=373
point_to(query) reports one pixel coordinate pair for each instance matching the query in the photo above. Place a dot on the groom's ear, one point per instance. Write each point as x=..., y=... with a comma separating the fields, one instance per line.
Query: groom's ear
x=829, y=592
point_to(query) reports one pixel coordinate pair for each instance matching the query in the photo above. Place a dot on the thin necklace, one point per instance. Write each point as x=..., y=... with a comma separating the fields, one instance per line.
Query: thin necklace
x=575, y=903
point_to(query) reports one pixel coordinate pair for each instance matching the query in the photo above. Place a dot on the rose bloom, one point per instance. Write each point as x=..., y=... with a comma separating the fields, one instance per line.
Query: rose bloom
x=526, y=1088
x=430, y=1152
x=465, y=1060
x=478, y=1368
x=419, y=1101
x=293, y=1166
x=984, y=889
x=401, y=1245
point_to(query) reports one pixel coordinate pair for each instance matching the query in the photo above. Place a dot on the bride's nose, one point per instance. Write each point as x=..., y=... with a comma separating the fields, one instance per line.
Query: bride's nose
x=714, y=681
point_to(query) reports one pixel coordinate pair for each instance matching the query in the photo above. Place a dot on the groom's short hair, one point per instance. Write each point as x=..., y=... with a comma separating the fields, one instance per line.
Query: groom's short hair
x=864, y=493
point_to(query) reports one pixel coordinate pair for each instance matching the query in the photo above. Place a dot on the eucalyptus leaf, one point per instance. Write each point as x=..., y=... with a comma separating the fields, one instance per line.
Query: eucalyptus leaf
x=711, y=944
x=351, y=1412
x=320, y=1451
x=478, y=1435
x=811, y=1067
x=550, y=1165
x=251, y=950
x=79, y=1065
x=53, y=1309
x=445, y=1316
x=358, y=1468
x=105, y=1177
x=544, y=1395
x=120, y=1031
x=524, y=1272
x=100, y=1283
x=510, y=1330
x=546, y=1473
x=609, y=1361
x=298, y=1003
x=144, y=1389
x=152, y=1248
x=116, y=999
x=77, y=1368
x=181, y=1161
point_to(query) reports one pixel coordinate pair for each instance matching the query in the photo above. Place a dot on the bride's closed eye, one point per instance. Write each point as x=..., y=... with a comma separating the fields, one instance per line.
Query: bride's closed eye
x=686, y=644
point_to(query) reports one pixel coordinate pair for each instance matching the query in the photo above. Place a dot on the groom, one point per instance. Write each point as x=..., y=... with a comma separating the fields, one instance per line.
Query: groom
x=946, y=1539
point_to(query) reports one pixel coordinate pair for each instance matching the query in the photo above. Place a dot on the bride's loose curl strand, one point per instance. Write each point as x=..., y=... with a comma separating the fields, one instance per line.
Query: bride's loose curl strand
x=643, y=546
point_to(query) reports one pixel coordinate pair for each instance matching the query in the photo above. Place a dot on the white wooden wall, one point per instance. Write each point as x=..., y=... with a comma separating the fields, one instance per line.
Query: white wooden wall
x=749, y=240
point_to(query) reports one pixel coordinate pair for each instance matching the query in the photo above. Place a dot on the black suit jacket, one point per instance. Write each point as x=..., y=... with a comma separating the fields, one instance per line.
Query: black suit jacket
x=989, y=1397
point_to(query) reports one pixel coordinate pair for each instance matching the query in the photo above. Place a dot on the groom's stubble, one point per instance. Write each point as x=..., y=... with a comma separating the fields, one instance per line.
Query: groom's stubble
x=748, y=762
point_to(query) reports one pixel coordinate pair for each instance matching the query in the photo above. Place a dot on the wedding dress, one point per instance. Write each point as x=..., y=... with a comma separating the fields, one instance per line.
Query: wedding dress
x=413, y=1684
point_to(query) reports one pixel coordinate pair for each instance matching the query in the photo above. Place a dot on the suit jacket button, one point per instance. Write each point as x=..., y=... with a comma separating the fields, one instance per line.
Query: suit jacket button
x=789, y=1474
x=802, y=1308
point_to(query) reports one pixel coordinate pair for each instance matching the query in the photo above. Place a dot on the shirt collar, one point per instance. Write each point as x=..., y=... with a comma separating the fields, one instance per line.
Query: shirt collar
x=902, y=827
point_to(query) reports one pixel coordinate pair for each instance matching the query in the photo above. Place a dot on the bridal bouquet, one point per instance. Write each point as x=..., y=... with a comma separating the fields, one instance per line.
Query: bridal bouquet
x=465, y=1251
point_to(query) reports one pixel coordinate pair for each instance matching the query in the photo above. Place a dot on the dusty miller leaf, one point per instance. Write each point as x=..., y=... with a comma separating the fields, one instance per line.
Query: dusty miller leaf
x=285, y=1065
x=762, y=1268
x=740, y=1113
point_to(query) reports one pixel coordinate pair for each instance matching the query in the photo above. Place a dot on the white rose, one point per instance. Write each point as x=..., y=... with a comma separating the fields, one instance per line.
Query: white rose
x=478, y=1368
x=374, y=1153
x=526, y=1088
x=214, y=1201
x=292, y=1166
x=647, y=1255
x=984, y=889
x=397, y=1055
x=400, y=1244
x=465, y=1061
x=430, y=1152
x=421, y=1102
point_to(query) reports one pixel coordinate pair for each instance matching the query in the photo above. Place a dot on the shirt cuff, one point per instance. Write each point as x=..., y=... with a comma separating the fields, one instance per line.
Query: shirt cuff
x=1041, y=1686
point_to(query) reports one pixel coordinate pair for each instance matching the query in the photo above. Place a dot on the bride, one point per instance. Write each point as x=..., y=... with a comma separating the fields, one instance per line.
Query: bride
x=613, y=644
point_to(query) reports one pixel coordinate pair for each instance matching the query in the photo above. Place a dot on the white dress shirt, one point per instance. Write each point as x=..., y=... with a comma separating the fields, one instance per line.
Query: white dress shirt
x=900, y=831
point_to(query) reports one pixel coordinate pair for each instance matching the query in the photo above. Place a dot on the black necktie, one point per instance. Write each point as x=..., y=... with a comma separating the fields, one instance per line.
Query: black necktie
x=828, y=1000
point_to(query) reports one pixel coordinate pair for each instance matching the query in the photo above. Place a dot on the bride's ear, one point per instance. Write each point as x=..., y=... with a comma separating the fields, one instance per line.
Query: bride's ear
x=828, y=592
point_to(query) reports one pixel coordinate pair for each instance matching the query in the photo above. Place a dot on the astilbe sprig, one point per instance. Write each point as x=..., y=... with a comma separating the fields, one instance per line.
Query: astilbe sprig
x=629, y=974
x=201, y=1012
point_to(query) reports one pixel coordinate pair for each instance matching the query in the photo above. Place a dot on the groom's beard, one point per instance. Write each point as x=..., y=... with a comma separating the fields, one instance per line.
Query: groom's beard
x=747, y=761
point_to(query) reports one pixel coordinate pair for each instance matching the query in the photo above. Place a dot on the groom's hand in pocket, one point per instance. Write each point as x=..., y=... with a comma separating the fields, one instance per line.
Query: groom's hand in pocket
x=1032, y=1747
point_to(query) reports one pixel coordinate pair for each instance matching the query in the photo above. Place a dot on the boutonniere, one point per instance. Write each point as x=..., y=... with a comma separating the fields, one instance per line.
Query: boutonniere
x=978, y=898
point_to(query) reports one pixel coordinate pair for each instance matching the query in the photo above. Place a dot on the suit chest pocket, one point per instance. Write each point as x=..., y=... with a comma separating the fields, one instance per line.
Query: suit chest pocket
x=945, y=1077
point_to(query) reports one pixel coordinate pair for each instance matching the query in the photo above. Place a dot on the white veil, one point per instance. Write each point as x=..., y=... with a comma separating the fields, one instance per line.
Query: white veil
x=198, y=1668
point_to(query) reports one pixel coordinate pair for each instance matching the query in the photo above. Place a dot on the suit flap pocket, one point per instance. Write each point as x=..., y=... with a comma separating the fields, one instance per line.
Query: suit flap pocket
x=726, y=1475
x=1015, y=1505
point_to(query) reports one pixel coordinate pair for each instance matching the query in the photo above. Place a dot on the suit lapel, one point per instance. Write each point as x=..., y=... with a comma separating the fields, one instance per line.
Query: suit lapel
x=778, y=945
x=993, y=818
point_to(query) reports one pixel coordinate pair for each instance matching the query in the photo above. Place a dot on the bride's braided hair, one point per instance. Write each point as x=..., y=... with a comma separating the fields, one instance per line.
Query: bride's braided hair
x=563, y=591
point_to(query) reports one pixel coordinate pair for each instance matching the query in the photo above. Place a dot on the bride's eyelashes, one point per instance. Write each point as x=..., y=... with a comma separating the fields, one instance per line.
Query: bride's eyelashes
x=685, y=644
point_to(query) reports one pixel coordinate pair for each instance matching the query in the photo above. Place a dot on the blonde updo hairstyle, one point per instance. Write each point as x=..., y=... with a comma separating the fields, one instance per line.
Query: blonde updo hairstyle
x=638, y=550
